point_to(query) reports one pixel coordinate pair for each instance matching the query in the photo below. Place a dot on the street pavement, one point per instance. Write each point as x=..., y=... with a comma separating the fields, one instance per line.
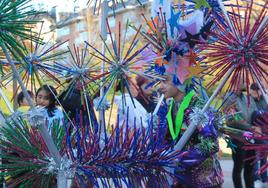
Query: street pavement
x=227, y=166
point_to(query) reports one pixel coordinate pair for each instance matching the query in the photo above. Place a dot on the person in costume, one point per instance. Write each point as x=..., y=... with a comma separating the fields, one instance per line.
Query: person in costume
x=198, y=165
x=46, y=97
x=240, y=117
x=262, y=107
x=22, y=102
x=145, y=93
x=129, y=110
x=75, y=106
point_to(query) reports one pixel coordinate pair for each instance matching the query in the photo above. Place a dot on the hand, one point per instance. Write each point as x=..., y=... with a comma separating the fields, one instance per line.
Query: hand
x=220, y=154
x=257, y=129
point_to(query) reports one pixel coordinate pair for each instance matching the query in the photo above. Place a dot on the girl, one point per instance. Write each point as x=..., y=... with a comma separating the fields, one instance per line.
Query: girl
x=128, y=112
x=45, y=97
x=145, y=94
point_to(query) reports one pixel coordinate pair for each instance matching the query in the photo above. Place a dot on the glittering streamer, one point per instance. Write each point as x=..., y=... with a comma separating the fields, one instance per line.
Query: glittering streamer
x=122, y=63
x=260, y=135
x=35, y=57
x=26, y=158
x=240, y=48
x=14, y=24
x=198, y=117
x=128, y=156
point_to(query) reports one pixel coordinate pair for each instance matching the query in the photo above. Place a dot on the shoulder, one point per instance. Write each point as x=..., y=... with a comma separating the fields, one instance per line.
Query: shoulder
x=58, y=112
x=231, y=96
x=118, y=99
x=139, y=107
x=127, y=100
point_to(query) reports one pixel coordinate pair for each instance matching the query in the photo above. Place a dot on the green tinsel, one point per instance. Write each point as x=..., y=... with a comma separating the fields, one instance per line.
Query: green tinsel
x=25, y=156
x=16, y=24
x=207, y=145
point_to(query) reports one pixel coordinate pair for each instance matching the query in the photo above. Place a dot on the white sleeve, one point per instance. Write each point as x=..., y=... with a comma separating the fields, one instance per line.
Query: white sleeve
x=137, y=112
x=127, y=107
x=59, y=115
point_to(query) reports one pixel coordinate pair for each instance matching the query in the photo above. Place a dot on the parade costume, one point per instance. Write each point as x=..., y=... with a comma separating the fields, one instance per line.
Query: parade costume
x=204, y=42
x=198, y=165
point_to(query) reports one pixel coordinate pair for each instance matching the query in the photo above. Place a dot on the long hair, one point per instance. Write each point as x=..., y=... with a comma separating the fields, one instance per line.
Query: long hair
x=51, y=92
x=140, y=80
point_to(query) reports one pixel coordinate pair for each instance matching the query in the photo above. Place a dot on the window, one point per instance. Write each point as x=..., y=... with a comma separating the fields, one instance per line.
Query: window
x=63, y=31
x=82, y=37
x=130, y=34
x=64, y=46
x=111, y=21
x=108, y=41
x=80, y=26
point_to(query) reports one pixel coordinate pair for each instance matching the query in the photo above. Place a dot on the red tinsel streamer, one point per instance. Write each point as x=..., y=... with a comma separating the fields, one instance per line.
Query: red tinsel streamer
x=245, y=48
x=261, y=138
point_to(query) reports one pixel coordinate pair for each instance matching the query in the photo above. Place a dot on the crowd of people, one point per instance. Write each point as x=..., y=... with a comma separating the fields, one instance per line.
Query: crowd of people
x=198, y=165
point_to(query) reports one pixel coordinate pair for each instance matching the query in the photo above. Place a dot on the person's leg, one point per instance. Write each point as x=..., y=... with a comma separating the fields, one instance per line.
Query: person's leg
x=249, y=169
x=256, y=168
x=264, y=174
x=238, y=156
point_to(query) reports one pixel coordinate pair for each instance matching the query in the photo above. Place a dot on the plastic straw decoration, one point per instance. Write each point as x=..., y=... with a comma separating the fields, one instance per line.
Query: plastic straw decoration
x=35, y=58
x=79, y=72
x=127, y=156
x=14, y=25
x=122, y=63
x=245, y=50
x=261, y=138
x=25, y=158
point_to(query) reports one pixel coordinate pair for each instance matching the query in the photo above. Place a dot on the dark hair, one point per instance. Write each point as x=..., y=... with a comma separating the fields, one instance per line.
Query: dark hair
x=140, y=80
x=21, y=97
x=51, y=91
x=119, y=86
x=142, y=98
x=254, y=87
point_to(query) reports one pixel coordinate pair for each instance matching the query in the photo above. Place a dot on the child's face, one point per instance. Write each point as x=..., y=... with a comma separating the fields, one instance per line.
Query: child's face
x=42, y=98
x=168, y=88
